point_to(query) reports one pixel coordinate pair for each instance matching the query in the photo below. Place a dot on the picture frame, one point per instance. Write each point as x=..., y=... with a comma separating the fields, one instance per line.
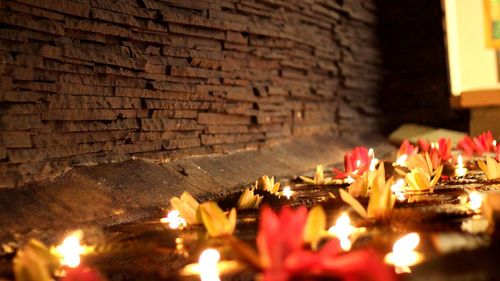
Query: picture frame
x=492, y=23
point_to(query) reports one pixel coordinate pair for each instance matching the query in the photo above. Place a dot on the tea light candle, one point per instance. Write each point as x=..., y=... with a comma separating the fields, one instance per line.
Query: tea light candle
x=174, y=220
x=287, y=192
x=460, y=171
x=342, y=230
x=70, y=251
x=403, y=253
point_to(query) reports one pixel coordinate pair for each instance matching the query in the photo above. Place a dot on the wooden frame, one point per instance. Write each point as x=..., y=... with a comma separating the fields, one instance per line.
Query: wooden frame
x=476, y=98
x=491, y=18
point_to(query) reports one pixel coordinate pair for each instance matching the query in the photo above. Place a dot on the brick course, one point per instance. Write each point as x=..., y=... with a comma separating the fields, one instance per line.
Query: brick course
x=93, y=81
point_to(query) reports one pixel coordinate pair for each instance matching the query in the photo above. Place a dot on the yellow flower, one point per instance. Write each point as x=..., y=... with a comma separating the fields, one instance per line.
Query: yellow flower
x=267, y=184
x=419, y=180
x=491, y=168
x=315, y=226
x=319, y=178
x=215, y=221
x=249, y=200
x=187, y=207
x=381, y=198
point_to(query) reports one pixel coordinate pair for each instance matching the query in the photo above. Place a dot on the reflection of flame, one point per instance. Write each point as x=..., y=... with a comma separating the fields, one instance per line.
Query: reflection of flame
x=287, y=191
x=403, y=253
x=174, y=220
x=460, y=171
x=342, y=230
x=358, y=163
x=208, y=265
x=397, y=189
x=475, y=200
x=70, y=251
x=401, y=161
x=373, y=163
x=494, y=143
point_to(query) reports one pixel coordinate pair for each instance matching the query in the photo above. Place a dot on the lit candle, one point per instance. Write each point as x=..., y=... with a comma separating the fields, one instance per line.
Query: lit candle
x=287, y=191
x=70, y=251
x=397, y=189
x=475, y=200
x=401, y=161
x=174, y=220
x=349, y=180
x=342, y=230
x=460, y=171
x=208, y=265
x=403, y=253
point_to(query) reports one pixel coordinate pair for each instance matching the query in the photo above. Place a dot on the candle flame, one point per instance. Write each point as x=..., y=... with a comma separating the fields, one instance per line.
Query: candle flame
x=401, y=161
x=349, y=180
x=208, y=265
x=475, y=200
x=287, y=191
x=460, y=171
x=373, y=163
x=494, y=143
x=460, y=162
x=403, y=253
x=407, y=243
x=371, y=152
x=174, y=220
x=70, y=251
x=342, y=230
x=397, y=189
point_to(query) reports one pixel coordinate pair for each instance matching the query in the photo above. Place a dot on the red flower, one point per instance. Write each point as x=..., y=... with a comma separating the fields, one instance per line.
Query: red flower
x=82, y=273
x=407, y=148
x=439, y=152
x=278, y=237
x=483, y=143
x=355, y=163
x=280, y=241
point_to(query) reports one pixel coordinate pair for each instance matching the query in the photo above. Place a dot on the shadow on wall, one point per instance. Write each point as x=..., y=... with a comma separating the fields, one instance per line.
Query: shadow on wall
x=415, y=87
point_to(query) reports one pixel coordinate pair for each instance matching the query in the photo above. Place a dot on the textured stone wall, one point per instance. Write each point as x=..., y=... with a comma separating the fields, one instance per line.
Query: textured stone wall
x=97, y=81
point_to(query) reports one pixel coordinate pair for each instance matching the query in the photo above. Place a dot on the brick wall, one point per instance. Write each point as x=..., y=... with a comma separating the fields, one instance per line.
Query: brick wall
x=96, y=81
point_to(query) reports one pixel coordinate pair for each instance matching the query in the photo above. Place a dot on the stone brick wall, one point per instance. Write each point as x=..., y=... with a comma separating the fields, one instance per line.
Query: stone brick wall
x=96, y=81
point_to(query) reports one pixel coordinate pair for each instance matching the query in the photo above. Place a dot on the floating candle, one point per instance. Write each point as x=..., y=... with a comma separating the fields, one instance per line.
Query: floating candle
x=342, y=230
x=208, y=265
x=174, y=220
x=287, y=192
x=403, y=253
x=460, y=171
x=70, y=251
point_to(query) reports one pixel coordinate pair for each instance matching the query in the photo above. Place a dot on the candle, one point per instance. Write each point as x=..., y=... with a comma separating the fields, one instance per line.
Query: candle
x=342, y=230
x=475, y=200
x=70, y=251
x=397, y=189
x=403, y=253
x=208, y=265
x=174, y=220
x=401, y=161
x=460, y=171
x=349, y=180
x=287, y=192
